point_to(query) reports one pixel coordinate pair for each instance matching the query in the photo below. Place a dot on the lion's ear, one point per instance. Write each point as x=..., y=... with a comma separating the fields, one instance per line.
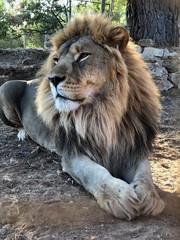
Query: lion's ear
x=118, y=38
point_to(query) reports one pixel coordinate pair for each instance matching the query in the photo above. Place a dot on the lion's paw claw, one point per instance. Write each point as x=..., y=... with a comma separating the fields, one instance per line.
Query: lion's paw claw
x=150, y=202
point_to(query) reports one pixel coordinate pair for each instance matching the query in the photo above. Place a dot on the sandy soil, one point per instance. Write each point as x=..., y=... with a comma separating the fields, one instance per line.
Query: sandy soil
x=38, y=201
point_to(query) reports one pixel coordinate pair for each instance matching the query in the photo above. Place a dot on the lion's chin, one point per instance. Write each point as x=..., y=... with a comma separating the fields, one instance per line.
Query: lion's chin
x=66, y=105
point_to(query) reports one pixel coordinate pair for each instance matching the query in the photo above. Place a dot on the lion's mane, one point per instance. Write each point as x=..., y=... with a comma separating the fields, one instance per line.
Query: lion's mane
x=121, y=128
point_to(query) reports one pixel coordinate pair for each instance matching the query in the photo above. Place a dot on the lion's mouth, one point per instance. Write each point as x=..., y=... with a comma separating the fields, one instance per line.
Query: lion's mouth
x=69, y=99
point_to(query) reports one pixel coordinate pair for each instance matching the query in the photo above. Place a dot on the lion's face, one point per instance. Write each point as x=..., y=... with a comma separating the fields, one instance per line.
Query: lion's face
x=86, y=68
x=79, y=73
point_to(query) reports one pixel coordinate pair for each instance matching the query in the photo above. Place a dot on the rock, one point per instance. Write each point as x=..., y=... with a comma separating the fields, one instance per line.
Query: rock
x=175, y=78
x=160, y=76
x=146, y=43
x=172, y=64
x=169, y=53
x=22, y=63
x=155, y=68
x=163, y=84
x=139, y=49
x=150, y=53
x=160, y=72
x=166, y=53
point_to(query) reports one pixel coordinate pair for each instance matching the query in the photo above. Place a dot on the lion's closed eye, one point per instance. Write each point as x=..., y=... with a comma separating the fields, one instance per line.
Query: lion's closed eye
x=83, y=56
x=55, y=60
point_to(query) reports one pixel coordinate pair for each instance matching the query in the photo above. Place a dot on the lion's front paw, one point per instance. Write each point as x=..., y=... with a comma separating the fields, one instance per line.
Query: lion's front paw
x=119, y=198
x=151, y=203
x=22, y=134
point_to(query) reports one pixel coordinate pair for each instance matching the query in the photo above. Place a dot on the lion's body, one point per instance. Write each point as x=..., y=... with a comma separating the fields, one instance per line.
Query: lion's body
x=100, y=107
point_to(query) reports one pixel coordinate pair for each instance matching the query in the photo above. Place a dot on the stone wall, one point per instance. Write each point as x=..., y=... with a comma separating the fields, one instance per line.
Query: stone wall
x=20, y=63
x=163, y=63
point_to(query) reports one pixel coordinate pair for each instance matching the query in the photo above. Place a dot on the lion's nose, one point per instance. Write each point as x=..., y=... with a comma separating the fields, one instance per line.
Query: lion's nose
x=56, y=80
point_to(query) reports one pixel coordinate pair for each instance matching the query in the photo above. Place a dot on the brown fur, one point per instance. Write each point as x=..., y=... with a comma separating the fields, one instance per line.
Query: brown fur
x=124, y=124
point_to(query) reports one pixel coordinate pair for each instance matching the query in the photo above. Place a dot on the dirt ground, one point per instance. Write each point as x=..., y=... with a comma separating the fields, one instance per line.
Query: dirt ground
x=38, y=201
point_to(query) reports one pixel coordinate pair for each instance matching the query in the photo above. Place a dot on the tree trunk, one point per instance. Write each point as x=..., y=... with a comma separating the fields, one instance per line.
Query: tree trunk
x=154, y=19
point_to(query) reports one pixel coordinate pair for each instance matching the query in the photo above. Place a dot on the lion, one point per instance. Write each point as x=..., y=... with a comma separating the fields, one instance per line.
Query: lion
x=95, y=104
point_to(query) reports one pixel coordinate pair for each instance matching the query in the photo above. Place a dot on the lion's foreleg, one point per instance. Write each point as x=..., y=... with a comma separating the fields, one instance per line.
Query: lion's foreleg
x=112, y=194
x=151, y=203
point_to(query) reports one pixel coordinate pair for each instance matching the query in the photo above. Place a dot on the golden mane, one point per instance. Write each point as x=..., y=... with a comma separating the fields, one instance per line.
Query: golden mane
x=129, y=116
x=97, y=26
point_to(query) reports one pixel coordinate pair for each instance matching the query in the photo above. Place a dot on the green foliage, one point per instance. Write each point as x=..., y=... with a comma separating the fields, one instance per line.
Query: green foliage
x=84, y=7
x=44, y=16
x=11, y=43
x=119, y=12
x=30, y=20
x=114, y=8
